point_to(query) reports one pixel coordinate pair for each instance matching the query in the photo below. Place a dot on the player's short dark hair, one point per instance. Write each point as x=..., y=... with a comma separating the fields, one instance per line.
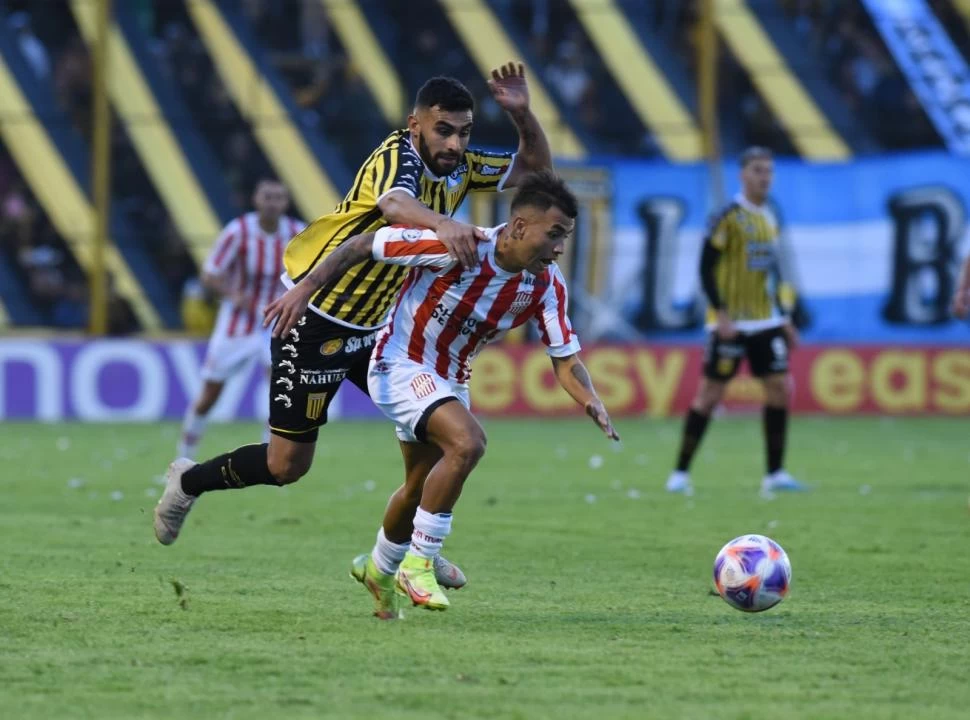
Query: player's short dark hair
x=543, y=190
x=271, y=179
x=445, y=92
x=756, y=152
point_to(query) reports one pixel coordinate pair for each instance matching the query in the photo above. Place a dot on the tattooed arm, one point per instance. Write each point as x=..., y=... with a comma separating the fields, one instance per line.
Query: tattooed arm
x=572, y=375
x=287, y=310
x=511, y=91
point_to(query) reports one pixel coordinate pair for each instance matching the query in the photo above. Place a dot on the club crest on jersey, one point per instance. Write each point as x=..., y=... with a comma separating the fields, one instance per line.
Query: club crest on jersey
x=331, y=347
x=411, y=234
x=521, y=303
x=422, y=385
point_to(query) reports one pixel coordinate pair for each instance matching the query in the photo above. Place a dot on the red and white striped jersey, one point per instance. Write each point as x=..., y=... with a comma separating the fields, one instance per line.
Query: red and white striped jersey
x=251, y=261
x=445, y=315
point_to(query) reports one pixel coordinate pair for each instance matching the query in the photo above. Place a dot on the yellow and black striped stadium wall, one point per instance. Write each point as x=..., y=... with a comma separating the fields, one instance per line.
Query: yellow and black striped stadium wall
x=180, y=166
x=313, y=171
x=54, y=163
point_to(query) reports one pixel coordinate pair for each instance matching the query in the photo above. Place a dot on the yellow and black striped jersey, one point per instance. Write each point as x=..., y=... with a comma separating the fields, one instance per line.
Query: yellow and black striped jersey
x=745, y=237
x=362, y=297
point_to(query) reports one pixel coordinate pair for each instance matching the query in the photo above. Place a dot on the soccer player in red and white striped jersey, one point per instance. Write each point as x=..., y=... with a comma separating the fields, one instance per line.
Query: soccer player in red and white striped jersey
x=244, y=267
x=421, y=364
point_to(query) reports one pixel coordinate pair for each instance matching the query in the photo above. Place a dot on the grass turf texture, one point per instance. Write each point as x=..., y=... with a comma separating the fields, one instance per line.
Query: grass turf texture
x=589, y=592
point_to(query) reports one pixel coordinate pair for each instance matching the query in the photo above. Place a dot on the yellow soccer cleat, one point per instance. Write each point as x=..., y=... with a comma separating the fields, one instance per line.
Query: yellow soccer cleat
x=416, y=579
x=378, y=584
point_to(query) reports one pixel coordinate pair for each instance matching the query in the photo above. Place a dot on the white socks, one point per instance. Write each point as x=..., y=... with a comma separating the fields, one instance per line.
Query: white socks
x=387, y=555
x=430, y=531
x=193, y=427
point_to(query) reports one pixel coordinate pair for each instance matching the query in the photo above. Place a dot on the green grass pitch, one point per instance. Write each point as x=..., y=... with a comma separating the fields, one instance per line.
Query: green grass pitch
x=589, y=588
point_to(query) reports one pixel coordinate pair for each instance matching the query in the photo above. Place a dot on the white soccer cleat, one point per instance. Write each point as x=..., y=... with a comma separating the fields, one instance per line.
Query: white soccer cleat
x=679, y=482
x=448, y=574
x=174, y=504
x=780, y=481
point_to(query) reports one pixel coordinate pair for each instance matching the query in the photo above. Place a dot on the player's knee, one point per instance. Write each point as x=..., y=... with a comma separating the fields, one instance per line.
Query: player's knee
x=469, y=447
x=288, y=468
x=777, y=391
x=708, y=396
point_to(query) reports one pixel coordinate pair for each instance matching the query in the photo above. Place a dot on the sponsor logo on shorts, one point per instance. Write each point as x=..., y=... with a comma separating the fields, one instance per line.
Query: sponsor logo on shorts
x=331, y=347
x=422, y=385
x=322, y=377
x=381, y=368
x=314, y=405
x=355, y=344
x=725, y=366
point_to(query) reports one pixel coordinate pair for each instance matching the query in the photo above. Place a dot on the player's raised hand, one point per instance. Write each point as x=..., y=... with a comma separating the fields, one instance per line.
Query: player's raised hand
x=509, y=88
x=287, y=309
x=596, y=410
x=461, y=241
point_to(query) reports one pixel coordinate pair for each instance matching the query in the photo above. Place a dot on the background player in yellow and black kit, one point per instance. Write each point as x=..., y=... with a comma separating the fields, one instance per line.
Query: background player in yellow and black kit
x=748, y=316
x=417, y=177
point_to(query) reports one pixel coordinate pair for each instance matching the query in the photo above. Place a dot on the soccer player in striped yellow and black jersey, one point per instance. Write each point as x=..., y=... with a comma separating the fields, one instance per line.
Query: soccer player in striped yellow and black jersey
x=417, y=176
x=748, y=316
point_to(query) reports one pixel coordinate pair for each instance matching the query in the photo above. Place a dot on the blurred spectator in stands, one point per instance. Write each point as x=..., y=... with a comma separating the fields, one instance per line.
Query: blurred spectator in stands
x=71, y=309
x=30, y=46
x=121, y=317
x=841, y=35
x=43, y=263
x=16, y=225
x=72, y=84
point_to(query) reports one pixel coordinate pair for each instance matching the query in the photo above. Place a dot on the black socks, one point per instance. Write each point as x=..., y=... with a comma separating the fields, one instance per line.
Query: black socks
x=776, y=429
x=694, y=427
x=243, y=467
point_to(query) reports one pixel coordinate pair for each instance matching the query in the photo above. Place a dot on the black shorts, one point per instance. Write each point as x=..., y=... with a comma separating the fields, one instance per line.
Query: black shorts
x=308, y=366
x=766, y=351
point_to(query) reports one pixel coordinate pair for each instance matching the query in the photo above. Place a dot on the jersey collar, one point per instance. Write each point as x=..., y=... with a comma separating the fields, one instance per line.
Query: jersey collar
x=741, y=200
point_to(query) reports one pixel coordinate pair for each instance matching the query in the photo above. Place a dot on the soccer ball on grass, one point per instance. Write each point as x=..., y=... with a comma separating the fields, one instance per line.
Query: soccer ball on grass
x=752, y=573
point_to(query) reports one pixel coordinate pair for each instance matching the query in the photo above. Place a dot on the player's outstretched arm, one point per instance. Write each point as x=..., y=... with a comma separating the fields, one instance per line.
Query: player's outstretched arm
x=287, y=310
x=399, y=208
x=511, y=91
x=574, y=378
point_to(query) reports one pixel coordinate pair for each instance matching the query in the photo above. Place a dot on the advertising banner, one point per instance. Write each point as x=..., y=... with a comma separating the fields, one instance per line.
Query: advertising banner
x=873, y=248
x=141, y=381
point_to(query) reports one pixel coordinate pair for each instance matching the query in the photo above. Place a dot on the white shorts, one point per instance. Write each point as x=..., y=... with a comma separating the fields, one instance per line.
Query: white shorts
x=228, y=355
x=406, y=392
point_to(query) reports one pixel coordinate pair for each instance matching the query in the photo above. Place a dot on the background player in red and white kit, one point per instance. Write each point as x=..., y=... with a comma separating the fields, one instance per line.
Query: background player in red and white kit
x=421, y=364
x=244, y=267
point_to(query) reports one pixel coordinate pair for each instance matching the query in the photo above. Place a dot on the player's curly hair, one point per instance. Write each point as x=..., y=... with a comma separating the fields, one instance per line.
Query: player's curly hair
x=445, y=92
x=543, y=190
